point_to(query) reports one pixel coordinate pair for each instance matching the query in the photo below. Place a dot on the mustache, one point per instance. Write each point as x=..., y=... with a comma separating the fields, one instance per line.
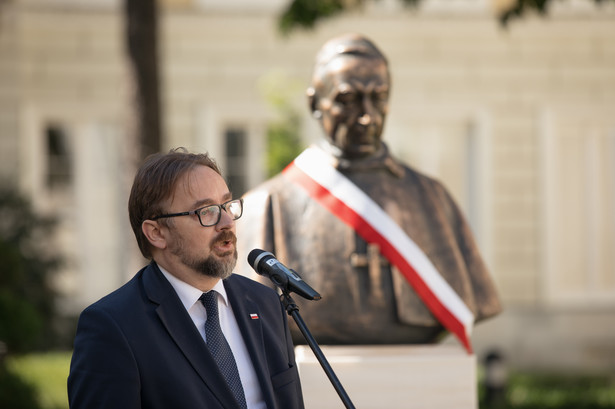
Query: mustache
x=226, y=235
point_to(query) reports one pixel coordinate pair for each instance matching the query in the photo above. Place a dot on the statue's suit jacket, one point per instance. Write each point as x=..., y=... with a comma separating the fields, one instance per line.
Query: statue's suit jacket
x=138, y=348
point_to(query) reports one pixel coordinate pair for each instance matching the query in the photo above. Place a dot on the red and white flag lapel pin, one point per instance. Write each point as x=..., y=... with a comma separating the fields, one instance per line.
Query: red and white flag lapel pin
x=254, y=316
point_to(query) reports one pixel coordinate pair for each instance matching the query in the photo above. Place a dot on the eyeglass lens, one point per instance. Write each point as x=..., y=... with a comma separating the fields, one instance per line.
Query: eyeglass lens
x=210, y=215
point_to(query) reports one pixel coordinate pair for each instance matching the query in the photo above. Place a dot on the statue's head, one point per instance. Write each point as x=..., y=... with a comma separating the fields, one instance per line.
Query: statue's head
x=349, y=94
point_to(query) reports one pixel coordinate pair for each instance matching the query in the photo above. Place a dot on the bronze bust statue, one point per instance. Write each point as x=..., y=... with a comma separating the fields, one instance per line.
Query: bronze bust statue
x=365, y=298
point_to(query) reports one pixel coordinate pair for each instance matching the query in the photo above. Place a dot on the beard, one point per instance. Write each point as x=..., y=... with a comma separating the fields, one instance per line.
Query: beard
x=215, y=265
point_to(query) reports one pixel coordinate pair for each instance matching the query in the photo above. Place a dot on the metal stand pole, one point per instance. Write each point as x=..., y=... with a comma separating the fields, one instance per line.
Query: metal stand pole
x=293, y=311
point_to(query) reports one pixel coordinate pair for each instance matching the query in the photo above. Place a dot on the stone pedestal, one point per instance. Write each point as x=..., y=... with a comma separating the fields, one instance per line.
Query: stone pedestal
x=377, y=377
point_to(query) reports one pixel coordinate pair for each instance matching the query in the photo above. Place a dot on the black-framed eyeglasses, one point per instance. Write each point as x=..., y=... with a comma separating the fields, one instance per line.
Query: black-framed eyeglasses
x=210, y=215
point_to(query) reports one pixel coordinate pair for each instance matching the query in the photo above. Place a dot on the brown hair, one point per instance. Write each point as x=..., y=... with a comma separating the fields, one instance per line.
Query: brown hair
x=155, y=182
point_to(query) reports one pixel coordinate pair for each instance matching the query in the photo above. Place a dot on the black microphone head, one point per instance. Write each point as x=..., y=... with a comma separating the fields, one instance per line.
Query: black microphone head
x=255, y=257
x=265, y=263
x=253, y=254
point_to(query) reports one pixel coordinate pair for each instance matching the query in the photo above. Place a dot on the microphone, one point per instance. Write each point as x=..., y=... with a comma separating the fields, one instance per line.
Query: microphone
x=265, y=264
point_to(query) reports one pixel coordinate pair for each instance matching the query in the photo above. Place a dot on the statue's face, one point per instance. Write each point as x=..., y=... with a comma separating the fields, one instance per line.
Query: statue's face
x=352, y=95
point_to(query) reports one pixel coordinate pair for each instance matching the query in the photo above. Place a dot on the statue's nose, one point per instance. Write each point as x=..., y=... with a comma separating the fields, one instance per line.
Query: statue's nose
x=368, y=111
x=365, y=119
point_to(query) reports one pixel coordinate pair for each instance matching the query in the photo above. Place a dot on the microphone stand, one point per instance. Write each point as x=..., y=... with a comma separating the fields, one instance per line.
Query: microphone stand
x=293, y=311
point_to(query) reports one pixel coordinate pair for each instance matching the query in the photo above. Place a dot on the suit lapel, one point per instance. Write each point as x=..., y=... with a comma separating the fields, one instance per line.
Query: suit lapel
x=181, y=329
x=249, y=319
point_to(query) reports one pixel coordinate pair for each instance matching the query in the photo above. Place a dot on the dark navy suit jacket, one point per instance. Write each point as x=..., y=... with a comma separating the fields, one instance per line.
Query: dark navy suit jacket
x=138, y=348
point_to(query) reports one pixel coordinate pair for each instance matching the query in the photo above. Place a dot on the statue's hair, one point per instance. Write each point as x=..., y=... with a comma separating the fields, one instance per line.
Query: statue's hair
x=346, y=44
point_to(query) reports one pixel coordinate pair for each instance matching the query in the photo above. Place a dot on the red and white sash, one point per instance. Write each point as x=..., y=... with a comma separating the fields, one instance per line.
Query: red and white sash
x=313, y=171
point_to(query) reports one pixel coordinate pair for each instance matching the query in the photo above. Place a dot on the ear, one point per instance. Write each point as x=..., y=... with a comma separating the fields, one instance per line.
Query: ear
x=152, y=230
x=312, y=101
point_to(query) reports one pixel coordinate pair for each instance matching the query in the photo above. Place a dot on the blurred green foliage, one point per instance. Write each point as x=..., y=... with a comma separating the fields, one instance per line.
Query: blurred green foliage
x=306, y=13
x=553, y=391
x=28, y=262
x=283, y=142
x=45, y=374
x=284, y=133
x=15, y=392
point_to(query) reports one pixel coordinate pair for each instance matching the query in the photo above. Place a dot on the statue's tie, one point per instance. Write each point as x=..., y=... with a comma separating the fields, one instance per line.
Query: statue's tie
x=220, y=349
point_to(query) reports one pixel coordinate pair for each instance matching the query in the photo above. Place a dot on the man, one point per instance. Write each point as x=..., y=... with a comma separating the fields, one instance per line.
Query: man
x=408, y=275
x=156, y=341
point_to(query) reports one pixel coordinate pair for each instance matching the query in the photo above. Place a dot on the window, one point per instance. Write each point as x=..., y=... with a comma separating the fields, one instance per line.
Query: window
x=579, y=207
x=235, y=153
x=59, y=162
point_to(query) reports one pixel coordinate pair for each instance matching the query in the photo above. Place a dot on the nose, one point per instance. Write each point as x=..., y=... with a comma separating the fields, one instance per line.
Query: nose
x=368, y=111
x=226, y=221
x=365, y=120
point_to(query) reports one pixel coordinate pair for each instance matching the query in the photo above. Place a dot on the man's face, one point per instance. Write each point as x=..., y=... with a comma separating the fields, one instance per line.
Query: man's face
x=352, y=96
x=212, y=250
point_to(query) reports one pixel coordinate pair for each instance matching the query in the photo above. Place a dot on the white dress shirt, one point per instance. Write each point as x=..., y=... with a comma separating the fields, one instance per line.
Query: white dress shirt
x=189, y=297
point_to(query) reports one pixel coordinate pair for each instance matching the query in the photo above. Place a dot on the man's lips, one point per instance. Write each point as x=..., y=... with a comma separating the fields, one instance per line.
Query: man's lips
x=225, y=243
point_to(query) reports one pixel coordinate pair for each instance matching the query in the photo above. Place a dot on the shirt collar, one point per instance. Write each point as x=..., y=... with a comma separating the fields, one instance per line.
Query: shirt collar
x=188, y=294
